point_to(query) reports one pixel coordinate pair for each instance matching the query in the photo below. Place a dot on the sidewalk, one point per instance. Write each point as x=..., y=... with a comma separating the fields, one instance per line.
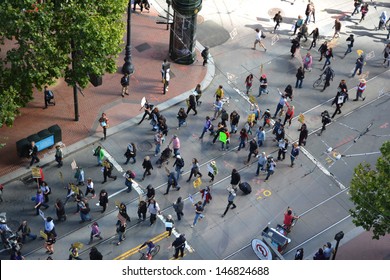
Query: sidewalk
x=149, y=49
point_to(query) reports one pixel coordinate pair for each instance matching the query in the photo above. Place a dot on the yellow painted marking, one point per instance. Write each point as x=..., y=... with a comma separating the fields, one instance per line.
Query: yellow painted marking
x=172, y=259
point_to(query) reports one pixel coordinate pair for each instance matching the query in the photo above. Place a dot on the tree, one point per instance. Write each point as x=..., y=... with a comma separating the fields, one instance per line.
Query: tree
x=41, y=36
x=370, y=192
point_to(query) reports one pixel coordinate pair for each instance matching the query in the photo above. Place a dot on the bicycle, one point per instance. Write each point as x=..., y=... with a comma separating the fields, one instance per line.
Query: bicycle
x=319, y=81
x=153, y=253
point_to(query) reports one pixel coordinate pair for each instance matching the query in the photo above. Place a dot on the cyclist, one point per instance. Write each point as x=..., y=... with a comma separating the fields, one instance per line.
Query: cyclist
x=329, y=75
x=151, y=247
x=288, y=219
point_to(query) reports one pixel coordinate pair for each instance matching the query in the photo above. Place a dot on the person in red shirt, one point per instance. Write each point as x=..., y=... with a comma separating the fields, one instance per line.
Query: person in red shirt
x=288, y=219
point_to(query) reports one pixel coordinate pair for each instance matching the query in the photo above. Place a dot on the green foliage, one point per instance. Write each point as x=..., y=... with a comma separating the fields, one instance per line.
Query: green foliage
x=41, y=38
x=370, y=192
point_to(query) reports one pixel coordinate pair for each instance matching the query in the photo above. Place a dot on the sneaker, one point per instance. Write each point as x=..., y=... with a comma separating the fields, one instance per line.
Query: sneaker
x=192, y=226
x=364, y=98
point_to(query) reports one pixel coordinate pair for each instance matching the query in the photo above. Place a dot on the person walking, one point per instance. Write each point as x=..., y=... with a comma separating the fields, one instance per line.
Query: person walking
x=356, y=4
x=191, y=104
x=179, y=244
x=129, y=179
x=270, y=167
x=382, y=20
x=103, y=199
x=198, y=94
x=208, y=126
x=39, y=201
x=386, y=55
x=340, y=98
x=322, y=49
x=181, y=118
x=218, y=106
x=263, y=85
x=107, y=170
x=328, y=250
x=158, y=141
x=234, y=120
x=59, y=155
x=25, y=229
x=303, y=135
x=95, y=232
x=178, y=164
x=49, y=243
x=300, y=76
x=147, y=111
x=194, y=169
x=316, y=35
x=259, y=36
x=248, y=83
x=360, y=89
x=295, y=45
x=260, y=135
x=308, y=12
x=103, y=121
x=206, y=195
x=178, y=206
x=147, y=165
x=281, y=103
x=325, y=119
x=131, y=153
x=175, y=141
x=252, y=150
x=49, y=96
x=90, y=188
x=74, y=253
x=298, y=24
x=60, y=210
x=277, y=19
x=364, y=11
x=235, y=179
x=328, y=56
x=172, y=182
x=351, y=40
x=337, y=28
x=33, y=153
x=150, y=193
x=329, y=75
x=125, y=82
x=121, y=229
x=359, y=65
x=307, y=62
x=99, y=154
x=289, y=114
x=282, y=144
x=142, y=210
x=294, y=153
x=303, y=32
x=232, y=195
x=219, y=93
x=198, y=213
x=94, y=254
x=169, y=225
x=243, y=138
x=212, y=170
x=205, y=55
x=261, y=163
x=153, y=209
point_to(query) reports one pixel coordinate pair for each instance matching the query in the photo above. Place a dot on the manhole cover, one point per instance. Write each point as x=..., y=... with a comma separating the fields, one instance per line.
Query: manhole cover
x=143, y=47
x=272, y=12
x=145, y=146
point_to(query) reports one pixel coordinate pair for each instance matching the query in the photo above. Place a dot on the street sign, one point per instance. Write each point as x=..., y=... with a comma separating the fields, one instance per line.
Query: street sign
x=261, y=250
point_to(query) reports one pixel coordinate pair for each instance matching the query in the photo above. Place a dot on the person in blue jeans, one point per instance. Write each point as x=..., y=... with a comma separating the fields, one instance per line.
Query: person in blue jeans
x=158, y=140
x=198, y=213
x=207, y=126
x=359, y=65
x=300, y=76
x=243, y=138
x=294, y=153
x=260, y=134
x=270, y=167
x=328, y=56
x=261, y=162
x=26, y=232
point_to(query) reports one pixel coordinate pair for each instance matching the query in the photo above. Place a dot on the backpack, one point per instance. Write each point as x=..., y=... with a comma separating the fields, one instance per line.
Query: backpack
x=131, y=174
x=124, y=81
x=49, y=192
x=180, y=163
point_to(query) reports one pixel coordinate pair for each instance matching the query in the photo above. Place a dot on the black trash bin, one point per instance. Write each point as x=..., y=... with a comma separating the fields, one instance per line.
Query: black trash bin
x=22, y=147
x=56, y=130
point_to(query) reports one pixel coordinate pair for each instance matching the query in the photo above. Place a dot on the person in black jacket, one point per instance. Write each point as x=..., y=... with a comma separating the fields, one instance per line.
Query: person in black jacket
x=252, y=149
x=192, y=104
x=300, y=76
x=205, y=55
x=94, y=254
x=179, y=244
x=278, y=19
x=147, y=165
x=234, y=119
x=315, y=34
x=325, y=119
x=33, y=152
x=235, y=178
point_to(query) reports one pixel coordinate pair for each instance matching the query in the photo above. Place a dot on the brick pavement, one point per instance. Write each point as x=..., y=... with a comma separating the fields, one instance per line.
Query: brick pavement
x=146, y=81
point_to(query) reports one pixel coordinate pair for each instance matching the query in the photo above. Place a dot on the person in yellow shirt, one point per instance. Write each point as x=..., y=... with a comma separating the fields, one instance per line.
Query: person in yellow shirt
x=219, y=93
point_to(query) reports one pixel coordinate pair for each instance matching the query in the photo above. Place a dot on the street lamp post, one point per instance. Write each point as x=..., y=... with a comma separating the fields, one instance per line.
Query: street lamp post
x=128, y=66
x=337, y=237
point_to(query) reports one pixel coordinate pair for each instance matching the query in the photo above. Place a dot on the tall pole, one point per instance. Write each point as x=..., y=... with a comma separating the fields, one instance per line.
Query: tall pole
x=128, y=66
x=75, y=96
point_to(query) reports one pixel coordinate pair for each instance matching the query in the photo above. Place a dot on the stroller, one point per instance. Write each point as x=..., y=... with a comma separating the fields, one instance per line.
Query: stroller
x=165, y=155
